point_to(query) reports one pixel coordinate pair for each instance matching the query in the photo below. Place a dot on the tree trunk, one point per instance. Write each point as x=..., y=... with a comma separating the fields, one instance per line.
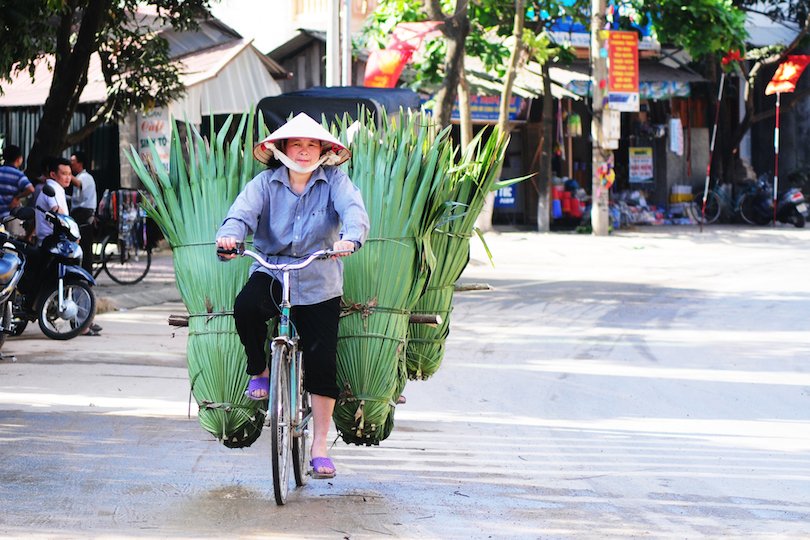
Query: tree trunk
x=455, y=29
x=547, y=140
x=484, y=221
x=464, y=113
x=69, y=80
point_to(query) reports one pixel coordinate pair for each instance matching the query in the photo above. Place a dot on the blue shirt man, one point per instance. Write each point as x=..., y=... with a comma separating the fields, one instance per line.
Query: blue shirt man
x=13, y=182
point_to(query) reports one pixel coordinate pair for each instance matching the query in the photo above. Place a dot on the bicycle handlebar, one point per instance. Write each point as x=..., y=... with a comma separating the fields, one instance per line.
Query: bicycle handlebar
x=258, y=257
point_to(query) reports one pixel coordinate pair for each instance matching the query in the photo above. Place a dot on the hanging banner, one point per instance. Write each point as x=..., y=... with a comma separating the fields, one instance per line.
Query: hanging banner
x=641, y=164
x=623, y=71
x=384, y=67
x=156, y=127
x=787, y=74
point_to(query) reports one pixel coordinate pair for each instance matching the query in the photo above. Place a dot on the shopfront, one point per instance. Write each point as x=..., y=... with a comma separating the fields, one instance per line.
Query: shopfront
x=664, y=144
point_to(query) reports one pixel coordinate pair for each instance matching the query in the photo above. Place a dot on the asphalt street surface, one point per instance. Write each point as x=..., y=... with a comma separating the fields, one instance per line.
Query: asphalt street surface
x=651, y=384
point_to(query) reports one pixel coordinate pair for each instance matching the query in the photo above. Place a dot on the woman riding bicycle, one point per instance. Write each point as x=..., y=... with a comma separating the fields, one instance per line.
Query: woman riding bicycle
x=304, y=205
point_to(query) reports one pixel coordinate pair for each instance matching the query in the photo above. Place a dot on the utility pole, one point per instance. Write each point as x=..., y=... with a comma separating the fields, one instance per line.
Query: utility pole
x=601, y=155
x=333, y=45
x=346, y=45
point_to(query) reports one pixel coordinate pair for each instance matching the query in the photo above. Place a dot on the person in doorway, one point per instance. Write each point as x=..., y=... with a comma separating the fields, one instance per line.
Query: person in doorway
x=83, y=206
x=14, y=185
x=304, y=205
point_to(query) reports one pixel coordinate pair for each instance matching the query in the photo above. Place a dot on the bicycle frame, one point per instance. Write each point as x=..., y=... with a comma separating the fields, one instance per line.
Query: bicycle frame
x=289, y=414
x=286, y=334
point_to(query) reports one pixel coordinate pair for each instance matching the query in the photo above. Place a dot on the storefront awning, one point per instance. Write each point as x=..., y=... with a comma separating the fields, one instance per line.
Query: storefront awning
x=656, y=81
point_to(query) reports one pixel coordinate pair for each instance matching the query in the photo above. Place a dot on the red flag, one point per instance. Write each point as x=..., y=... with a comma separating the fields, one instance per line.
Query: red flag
x=384, y=67
x=787, y=74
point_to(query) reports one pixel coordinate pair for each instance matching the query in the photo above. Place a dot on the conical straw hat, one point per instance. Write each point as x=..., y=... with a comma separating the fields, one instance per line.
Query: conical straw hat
x=302, y=127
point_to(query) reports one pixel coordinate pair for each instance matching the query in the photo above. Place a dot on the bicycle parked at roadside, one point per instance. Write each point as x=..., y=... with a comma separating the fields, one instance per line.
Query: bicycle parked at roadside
x=290, y=411
x=125, y=249
x=719, y=202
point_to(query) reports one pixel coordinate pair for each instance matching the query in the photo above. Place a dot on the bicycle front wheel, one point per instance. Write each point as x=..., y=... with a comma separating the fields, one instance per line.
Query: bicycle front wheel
x=126, y=265
x=301, y=437
x=279, y=405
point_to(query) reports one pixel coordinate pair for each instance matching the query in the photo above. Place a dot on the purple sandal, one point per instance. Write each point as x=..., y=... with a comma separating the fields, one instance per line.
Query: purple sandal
x=256, y=385
x=322, y=463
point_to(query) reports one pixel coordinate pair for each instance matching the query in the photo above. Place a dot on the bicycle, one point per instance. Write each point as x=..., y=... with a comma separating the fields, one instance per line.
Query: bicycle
x=288, y=403
x=125, y=262
x=719, y=202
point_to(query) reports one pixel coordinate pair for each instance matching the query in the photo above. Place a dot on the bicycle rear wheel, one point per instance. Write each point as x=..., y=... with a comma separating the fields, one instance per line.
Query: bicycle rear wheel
x=301, y=439
x=713, y=207
x=126, y=265
x=279, y=405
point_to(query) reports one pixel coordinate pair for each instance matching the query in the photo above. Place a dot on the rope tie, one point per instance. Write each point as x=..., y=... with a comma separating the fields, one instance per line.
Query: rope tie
x=441, y=287
x=427, y=340
x=400, y=240
x=206, y=404
x=212, y=332
x=211, y=314
x=192, y=244
x=466, y=236
x=369, y=336
x=365, y=310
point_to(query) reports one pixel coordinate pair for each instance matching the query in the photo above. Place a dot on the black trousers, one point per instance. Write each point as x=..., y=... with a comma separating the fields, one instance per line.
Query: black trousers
x=317, y=327
x=84, y=217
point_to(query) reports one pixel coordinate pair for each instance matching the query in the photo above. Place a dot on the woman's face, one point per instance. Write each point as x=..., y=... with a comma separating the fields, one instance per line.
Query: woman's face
x=305, y=152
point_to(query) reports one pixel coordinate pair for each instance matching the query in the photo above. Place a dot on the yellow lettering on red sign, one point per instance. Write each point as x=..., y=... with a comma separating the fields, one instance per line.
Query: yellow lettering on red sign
x=623, y=62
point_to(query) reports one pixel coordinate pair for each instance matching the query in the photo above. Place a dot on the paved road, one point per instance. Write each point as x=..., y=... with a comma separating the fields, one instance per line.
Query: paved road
x=651, y=384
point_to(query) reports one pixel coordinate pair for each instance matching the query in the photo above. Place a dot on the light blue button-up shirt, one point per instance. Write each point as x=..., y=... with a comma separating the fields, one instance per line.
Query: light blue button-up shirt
x=287, y=226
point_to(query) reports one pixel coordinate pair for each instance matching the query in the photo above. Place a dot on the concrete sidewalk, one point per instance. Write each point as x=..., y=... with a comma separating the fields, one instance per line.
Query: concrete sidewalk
x=156, y=288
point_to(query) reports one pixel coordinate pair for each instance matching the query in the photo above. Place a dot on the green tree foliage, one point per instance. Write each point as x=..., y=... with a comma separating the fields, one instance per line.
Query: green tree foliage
x=134, y=60
x=702, y=27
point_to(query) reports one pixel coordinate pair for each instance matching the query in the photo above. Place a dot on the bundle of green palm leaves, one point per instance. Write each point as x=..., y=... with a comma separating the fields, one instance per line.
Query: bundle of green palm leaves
x=473, y=177
x=401, y=170
x=190, y=201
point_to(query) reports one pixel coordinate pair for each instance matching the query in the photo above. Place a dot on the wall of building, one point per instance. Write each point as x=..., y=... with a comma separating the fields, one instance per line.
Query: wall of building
x=677, y=167
x=127, y=137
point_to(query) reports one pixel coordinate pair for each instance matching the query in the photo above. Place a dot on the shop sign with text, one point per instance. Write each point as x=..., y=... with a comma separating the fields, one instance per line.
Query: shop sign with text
x=623, y=71
x=641, y=164
x=154, y=126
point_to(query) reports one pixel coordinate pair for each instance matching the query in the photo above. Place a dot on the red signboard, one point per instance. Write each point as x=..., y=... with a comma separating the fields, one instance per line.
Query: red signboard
x=622, y=83
x=623, y=62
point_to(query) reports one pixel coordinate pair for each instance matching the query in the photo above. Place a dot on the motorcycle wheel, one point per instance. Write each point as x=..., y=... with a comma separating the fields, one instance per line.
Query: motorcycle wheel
x=5, y=320
x=78, y=315
x=754, y=210
x=18, y=327
x=797, y=219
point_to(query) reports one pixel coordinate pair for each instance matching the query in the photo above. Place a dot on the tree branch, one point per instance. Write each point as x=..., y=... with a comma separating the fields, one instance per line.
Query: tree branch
x=797, y=97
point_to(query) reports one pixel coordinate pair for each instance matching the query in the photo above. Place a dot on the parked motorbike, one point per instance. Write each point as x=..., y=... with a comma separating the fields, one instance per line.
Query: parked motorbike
x=54, y=289
x=791, y=206
x=12, y=266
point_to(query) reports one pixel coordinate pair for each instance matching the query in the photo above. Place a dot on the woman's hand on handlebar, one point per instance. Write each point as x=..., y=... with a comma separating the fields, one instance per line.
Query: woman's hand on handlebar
x=227, y=243
x=343, y=247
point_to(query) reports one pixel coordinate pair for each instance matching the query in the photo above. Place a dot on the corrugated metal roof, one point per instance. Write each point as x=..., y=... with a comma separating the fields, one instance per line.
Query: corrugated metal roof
x=195, y=68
